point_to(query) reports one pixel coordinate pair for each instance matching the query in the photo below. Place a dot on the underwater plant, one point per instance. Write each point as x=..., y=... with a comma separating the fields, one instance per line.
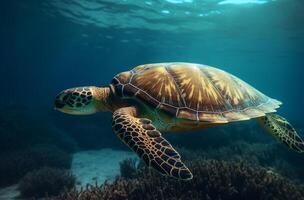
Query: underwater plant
x=45, y=182
x=14, y=165
x=128, y=168
x=213, y=180
x=271, y=156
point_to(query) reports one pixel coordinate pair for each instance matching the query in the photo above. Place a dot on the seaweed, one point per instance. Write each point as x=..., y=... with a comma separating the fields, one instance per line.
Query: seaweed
x=273, y=156
x=128, y=168
x=14, y=165
x=212, y=180
x=45, y=182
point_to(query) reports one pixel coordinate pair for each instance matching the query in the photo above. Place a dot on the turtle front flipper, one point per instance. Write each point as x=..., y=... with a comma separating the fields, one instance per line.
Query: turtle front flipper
x=142, y=137
x=283, y=131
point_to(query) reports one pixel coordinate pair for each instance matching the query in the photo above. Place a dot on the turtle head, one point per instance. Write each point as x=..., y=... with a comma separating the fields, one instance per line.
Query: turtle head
x=81, y=100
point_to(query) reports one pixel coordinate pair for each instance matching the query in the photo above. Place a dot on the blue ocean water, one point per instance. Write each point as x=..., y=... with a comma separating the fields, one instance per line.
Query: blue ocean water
x=48, y=46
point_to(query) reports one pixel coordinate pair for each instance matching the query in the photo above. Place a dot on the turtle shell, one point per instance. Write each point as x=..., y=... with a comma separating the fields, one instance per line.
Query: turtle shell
x=193, y=91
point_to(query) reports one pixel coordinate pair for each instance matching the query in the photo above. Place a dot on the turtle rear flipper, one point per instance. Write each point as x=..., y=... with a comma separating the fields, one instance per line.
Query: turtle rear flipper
x=142, y=137
x=283, y=131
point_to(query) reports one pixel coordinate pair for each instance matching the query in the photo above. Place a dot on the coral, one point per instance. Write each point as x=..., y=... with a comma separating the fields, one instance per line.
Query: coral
x=274, y=156
x=16, y=164
x=45, y=181
x=212, y=180
x=128, y=168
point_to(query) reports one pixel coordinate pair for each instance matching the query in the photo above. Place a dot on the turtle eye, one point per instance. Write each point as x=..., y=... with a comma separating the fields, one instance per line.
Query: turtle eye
x=59, y=104
x=62, y=99
x=65, y=97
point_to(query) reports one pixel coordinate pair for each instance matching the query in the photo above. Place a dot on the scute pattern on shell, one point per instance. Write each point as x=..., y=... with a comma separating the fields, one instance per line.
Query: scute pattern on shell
x=193, y=91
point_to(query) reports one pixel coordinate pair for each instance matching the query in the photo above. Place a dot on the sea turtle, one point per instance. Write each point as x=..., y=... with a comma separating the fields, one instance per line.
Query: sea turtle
x=154, y=98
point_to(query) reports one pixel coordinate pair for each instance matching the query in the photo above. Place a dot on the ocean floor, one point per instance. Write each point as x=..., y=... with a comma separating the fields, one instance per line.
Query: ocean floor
x=88, y=167
x=100, y=165
x=9, y=193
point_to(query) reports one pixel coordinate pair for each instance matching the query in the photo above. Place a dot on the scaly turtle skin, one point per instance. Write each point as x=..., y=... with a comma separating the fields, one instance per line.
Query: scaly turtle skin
x=175, y=97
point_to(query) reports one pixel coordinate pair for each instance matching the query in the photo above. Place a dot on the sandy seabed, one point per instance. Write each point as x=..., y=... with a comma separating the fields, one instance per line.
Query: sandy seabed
x=100, y=165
